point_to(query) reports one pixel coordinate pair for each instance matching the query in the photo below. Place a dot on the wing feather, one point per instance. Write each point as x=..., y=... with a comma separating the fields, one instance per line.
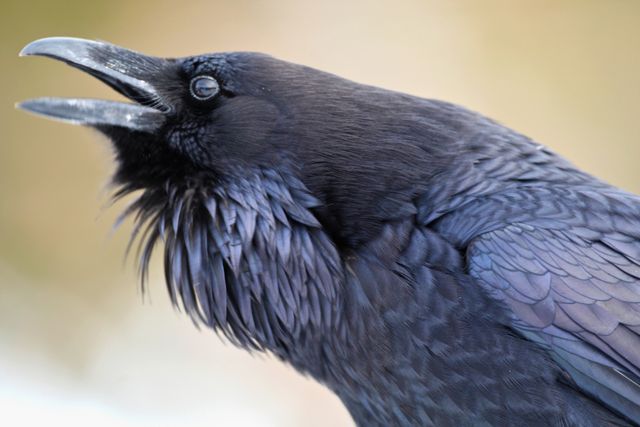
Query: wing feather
x=578, y=297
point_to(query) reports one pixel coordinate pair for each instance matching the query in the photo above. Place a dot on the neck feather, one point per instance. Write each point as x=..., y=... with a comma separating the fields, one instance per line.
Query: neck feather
x=246, y=257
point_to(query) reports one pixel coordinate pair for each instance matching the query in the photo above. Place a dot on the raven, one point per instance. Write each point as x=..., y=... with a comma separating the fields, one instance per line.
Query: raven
x=428, y=265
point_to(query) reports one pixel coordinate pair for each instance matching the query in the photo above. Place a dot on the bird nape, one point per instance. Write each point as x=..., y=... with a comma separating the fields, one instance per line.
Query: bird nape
x=429, y=266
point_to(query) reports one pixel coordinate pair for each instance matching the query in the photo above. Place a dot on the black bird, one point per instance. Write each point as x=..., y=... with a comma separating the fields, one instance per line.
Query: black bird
x=425, y=263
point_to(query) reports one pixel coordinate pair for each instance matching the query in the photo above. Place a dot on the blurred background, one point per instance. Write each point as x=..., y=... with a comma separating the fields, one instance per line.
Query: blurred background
x=80, y=346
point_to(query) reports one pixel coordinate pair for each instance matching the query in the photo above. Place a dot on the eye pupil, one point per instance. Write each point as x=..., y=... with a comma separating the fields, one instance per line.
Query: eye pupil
x=204, y=87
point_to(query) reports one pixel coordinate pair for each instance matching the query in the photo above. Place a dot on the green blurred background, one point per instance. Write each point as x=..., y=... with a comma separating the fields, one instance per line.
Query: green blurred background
x=78, y=343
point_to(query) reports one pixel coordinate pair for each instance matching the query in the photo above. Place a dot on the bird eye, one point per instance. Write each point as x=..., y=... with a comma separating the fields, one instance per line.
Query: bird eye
x=204, y=88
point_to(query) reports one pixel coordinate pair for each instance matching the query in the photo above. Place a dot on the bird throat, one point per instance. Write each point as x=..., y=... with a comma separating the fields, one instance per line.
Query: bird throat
x=246, y=257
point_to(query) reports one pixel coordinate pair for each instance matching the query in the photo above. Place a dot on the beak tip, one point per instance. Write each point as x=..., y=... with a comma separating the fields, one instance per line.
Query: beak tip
x=35, y=47
x=30, y=106
x=55, y=46
x=26, y=51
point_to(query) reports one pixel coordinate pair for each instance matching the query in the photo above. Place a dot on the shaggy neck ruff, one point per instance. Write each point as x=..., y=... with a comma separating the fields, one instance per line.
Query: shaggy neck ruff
x=245, y=257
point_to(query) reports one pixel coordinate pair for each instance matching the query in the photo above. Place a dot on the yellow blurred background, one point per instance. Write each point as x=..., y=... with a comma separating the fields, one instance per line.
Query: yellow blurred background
x=78, y=343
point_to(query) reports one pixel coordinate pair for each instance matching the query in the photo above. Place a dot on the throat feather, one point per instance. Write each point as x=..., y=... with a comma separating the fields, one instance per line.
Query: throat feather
x=246, y=257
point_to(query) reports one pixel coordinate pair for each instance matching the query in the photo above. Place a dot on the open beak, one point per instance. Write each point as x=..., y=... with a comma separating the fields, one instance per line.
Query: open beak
x=128, y=72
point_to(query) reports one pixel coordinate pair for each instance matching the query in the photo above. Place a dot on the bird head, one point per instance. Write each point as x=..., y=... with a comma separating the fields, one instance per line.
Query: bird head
x=217, y=116
x=199, y=115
